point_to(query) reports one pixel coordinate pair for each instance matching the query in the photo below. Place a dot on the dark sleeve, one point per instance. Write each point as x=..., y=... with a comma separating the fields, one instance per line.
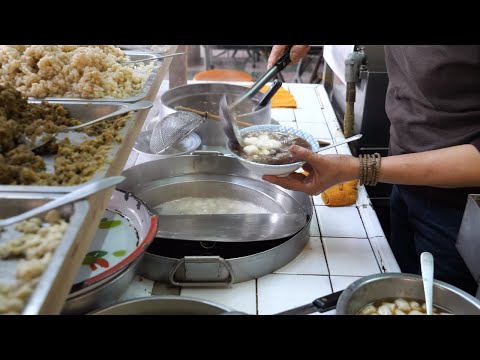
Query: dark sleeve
x=476, y=143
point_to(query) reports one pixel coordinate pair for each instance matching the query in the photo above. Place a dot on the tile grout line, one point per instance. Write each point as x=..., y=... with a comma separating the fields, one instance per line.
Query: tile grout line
x=369, y=242
x=323, y=247
x=256, y=295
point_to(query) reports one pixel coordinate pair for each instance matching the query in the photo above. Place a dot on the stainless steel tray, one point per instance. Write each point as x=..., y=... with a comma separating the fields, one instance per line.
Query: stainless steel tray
x=83, y=111
x=147, y=86
x=53, y=286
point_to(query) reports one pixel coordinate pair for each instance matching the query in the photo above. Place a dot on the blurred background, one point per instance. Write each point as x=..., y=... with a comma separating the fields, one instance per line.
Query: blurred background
x=252, y=59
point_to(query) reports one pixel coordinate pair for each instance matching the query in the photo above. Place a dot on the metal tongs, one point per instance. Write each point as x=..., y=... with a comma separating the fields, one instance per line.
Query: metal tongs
x=226, y=111
x=78, y=194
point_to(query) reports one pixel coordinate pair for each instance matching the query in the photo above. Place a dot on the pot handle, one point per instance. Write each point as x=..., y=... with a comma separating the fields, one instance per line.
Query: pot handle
x=328, y=302
x=322, y=304
x=209, y=266
x=207, y=152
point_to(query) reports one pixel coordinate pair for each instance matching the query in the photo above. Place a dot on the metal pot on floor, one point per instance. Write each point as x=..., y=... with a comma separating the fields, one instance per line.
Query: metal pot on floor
x=214, y=264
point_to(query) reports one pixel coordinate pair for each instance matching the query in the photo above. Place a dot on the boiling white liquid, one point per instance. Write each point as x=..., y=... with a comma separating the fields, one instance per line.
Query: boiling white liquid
x=208, y=206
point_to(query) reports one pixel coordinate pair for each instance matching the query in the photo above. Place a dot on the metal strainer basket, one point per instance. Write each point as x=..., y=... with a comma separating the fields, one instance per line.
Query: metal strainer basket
x=173, y=129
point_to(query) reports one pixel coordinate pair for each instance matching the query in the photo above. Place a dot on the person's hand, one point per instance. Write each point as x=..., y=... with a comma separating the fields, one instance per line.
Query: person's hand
x=296, y=53
x=324, y=171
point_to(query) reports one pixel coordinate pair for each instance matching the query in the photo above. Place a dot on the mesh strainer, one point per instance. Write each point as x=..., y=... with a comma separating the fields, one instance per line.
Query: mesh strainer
x=173, y=129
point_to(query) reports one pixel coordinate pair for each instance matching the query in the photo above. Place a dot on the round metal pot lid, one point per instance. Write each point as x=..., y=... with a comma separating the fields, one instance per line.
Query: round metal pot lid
x=126, y=230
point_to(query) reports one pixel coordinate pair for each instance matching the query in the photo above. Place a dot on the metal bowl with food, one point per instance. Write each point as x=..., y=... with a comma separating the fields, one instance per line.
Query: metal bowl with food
x=392, y=292
x=266, y=149
x=393, y=286
x=206, y=97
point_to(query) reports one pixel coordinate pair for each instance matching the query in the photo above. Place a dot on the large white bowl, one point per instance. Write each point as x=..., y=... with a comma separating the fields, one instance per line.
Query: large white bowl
x=267, y=169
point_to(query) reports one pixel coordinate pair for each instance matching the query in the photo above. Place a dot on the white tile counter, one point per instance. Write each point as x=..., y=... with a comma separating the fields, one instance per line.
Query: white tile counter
x=345, y=244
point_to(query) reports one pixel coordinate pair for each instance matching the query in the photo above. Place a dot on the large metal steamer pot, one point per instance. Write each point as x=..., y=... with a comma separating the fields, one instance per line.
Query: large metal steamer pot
x=165, y=305
x=206, y=97
x=399, y=285
x=193, y=263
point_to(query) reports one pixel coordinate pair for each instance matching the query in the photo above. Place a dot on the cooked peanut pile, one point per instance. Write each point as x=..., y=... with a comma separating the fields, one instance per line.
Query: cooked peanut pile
x=21, y=122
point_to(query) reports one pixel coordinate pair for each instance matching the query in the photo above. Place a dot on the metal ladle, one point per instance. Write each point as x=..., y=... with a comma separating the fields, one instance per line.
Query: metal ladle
x=151, y=58
x=80, y=193
x=426, y=264
x=347, y=140
x=46, y=138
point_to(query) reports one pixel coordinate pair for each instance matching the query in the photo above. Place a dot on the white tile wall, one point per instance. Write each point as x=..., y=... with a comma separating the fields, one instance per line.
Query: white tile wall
x=279, y=292
x=384, y=254
x=331, y=151
x=362, y=197
x=344, y=149
x=370, y=221
x=334, y=128
x=282, y=115
x=317, y=201
x=240, y=297
x=341, y=282
x=309, y=116
x=306, y=98
x=318, y=130
x=340, y=222
x=350, y=256
x=311, y=260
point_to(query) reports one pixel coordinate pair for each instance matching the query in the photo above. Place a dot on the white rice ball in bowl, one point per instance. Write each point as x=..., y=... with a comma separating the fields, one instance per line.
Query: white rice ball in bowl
x=270, y=169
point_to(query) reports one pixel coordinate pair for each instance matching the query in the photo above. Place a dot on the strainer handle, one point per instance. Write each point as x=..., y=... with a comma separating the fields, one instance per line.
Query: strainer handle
x=139, y=105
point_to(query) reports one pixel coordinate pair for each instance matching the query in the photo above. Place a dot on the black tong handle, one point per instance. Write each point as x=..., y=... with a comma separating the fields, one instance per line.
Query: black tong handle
x=277, y=84
x=281, y=63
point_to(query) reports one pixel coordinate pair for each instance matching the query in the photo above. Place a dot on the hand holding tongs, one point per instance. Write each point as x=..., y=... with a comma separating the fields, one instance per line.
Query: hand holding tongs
x=228, y=117
x=281, y=63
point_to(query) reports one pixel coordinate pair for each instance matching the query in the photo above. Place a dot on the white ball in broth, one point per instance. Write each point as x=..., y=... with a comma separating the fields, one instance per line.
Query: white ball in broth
x=251, y=150
x=252, y=140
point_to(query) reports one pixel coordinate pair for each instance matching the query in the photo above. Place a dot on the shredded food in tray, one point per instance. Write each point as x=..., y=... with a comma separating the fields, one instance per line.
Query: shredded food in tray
x=33, y=249
x=90, y=71
x=74, y=164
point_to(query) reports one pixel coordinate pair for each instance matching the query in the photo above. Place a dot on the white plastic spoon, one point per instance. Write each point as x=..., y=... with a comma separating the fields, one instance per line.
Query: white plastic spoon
x=426, y=263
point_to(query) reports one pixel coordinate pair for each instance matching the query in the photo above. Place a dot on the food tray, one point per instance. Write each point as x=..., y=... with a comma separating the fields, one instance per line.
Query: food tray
x=54, y=285
x=85, y=111
x=146, y=90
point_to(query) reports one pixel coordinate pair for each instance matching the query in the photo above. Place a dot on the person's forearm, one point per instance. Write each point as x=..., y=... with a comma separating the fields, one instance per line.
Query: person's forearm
x=457, y=166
